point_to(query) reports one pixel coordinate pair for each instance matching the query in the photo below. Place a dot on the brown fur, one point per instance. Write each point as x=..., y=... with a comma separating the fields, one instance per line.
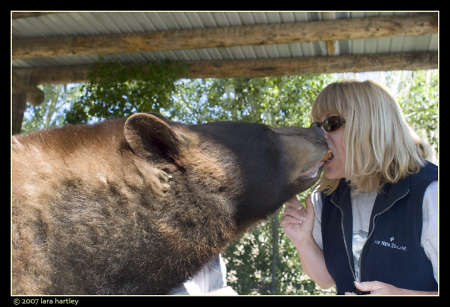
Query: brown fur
x=134, y=206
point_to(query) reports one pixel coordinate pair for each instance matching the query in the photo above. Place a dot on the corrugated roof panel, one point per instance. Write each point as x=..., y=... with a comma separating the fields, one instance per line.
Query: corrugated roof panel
x=383, y=44
x=246, y=18
x=66, y=24
x=119, y=22
x=213, y=54
x=160, y=22
x=94, y=23
x=179, y=21
x=287, y=17
x=194, y=21
x=370, y=45
x=424, y=42
x=309, y=49
x=217, y=20
x=342, y=15
x=433, y=46
x=397, y=44
x=143, y=23
x=98, y=24
x=273, y=18
x=345, y=47
x=301, y=16
x=207, y=20
x=225, y=19
x=26, y=28
x=232, y=19
x=259, y=18
x=260, y=53
x=50, y=26
x=295, y=50
x=283, y=51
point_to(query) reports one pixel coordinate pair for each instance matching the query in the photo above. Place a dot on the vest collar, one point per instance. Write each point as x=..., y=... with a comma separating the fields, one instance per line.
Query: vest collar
x=390, y=194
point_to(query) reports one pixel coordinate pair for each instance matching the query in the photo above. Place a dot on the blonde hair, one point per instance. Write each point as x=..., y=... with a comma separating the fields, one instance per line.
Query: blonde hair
x=380, y=146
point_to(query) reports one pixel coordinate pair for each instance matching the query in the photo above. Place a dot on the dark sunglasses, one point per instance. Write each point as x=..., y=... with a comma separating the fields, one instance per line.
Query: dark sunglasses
x=331, y=123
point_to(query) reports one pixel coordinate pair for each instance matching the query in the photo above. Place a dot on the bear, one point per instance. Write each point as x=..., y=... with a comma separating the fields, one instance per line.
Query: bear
x=140, y=204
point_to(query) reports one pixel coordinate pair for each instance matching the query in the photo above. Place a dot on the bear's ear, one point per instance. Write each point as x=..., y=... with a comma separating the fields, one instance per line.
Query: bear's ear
x=148, y=135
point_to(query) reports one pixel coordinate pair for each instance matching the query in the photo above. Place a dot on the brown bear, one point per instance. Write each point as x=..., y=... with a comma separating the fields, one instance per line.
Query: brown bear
x=138, y=205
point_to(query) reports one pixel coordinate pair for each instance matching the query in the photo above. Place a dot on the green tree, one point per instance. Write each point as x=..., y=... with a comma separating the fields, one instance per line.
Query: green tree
x=117, y=90
x=58, y=98
x=418, y=95
x=274, y=101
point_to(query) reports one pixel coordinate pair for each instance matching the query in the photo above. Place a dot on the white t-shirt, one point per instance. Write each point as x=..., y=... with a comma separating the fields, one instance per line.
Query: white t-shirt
x=362, y=205
x=211, y=277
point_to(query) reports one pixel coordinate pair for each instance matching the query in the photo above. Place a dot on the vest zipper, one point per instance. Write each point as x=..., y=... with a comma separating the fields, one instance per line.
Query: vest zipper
x=373, y=229
x=345, y=242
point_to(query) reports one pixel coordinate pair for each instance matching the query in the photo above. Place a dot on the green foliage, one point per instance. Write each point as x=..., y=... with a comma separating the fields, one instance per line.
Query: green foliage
x=51, y=112
x=418, y=96
x=277, y=101
x=119, y=90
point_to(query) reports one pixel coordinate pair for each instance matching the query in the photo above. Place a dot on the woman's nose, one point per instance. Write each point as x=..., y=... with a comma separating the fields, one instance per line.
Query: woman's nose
x=327, y=136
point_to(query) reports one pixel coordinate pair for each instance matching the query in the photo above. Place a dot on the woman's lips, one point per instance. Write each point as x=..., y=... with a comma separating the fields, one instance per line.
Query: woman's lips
x=327, y=157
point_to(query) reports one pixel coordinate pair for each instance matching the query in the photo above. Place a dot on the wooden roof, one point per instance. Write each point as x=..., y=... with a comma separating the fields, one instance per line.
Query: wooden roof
x=58, y=47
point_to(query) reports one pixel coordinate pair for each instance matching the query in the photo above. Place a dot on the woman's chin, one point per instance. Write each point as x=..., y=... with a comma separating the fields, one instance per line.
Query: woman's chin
x=331, y=174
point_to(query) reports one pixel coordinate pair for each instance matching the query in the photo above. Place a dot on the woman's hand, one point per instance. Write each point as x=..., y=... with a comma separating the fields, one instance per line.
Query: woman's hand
x=381, y=288
x=298, y=222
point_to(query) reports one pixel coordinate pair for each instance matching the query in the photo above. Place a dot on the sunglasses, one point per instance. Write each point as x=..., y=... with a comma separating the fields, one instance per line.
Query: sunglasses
x=331, y=123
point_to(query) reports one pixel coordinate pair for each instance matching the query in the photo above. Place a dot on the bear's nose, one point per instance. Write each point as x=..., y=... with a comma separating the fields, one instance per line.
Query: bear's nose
x=319, y=133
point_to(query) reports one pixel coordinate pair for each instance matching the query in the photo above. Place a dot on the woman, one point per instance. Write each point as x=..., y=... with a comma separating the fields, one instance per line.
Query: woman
x=371, y=226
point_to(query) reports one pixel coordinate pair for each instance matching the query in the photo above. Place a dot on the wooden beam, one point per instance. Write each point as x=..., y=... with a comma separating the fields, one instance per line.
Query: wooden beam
x=262, y=68
x=314, y=65
x=54, y=75
x=284, y=33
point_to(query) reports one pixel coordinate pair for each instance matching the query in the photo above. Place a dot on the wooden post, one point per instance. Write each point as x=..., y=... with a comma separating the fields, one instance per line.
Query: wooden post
x=331, y=45
x=19, y=101
x=23, y=91
x=34, y=95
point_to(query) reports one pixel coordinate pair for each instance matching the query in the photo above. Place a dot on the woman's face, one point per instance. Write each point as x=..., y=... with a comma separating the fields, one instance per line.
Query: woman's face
x=335, y=168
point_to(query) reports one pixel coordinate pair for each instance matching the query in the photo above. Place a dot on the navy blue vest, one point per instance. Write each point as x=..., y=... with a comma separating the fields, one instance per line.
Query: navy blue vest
x=392, y=253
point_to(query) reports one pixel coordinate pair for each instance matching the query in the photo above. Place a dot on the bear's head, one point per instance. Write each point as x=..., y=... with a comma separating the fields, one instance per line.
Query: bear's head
x=250, y=167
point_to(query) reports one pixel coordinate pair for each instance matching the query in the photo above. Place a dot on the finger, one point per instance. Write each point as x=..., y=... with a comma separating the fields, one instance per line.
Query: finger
x=286, y=220
x=308, y=203
x=293, y=203
x=309, y=207
x=295, y=213
x=367, y=286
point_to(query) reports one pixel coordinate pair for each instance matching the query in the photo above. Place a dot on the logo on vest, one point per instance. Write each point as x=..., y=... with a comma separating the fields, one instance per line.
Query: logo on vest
x=390, y=244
